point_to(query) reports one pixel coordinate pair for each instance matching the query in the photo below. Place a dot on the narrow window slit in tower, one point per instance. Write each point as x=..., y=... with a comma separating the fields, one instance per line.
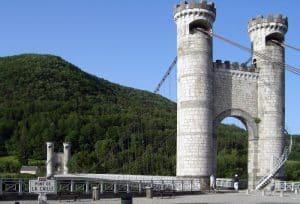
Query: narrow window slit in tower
x=254, y=63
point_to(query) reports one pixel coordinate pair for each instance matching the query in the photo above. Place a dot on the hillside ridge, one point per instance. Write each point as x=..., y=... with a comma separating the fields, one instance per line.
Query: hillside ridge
x=112, y=128
x=45, y=98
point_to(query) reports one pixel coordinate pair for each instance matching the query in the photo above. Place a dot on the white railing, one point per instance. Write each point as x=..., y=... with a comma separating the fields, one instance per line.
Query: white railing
x=287, y=186
x=14, y=186
x=227, y=183
x=105, y=186
x=224, y=183
x=277, y=165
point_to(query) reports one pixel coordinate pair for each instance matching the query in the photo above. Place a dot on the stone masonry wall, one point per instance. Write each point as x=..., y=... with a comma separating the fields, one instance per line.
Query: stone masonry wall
x=235, y=89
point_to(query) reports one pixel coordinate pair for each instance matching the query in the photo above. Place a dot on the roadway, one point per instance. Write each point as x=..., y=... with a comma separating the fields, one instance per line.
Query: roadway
x=218, y=198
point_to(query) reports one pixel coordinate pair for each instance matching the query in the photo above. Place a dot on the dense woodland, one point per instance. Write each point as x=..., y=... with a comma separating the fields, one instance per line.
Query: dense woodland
x=112, y=128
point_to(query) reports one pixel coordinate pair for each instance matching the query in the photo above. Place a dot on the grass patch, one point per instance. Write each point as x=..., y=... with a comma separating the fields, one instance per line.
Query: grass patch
x=9, y=164
x=8, y=159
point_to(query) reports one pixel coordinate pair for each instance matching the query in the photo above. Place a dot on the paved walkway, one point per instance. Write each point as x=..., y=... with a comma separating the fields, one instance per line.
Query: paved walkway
x=230, y=198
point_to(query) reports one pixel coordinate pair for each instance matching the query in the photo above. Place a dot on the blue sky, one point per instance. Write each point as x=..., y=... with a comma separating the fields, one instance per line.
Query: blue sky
x=132, y=42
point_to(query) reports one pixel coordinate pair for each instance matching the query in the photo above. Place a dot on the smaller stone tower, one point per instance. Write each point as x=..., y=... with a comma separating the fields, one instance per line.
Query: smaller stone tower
x=195, y=155
x=57, y=162
x=266, y=34
x=50, y=156
x=67, y=156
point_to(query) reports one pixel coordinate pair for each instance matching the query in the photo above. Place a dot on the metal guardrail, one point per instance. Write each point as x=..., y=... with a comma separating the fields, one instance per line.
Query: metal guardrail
x=122, y=186
x=287, y=186
x=105, y=186
x=226, y=183
x=14, y=186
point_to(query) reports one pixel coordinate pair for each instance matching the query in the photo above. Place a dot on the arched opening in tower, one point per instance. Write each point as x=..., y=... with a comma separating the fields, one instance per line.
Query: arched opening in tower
x=232, y=149
x=198, y=24
x=274, y=39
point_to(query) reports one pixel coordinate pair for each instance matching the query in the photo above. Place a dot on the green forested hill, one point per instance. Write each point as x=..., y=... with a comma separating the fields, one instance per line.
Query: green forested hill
x=113, y=129
x=292, y=168
x=44, y=98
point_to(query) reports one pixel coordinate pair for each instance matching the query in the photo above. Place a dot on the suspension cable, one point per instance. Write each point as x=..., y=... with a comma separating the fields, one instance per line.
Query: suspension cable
x=285, y=45
x=292, y=47
x=255, y=53
x=166, y=75
x=288, y=67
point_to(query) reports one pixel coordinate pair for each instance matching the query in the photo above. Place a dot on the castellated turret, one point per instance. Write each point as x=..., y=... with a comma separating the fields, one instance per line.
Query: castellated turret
x=194, y=89
x=267, y=34
x=208, y=92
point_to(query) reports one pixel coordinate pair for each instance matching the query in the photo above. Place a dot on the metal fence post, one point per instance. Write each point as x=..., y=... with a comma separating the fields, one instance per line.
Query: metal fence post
x=140, y=187
x=20, y=186
x=101, y=187
x=127, y=188
x=191, y=185
x=173, y=185
x=72, y=186
x=87, y=190
x=284, y=186
x=115, y=188
x=182, y=185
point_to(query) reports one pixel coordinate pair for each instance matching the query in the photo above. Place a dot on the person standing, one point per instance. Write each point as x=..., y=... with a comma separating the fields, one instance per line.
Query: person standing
x=272, y=187
x=212, y=182
x=236, y=181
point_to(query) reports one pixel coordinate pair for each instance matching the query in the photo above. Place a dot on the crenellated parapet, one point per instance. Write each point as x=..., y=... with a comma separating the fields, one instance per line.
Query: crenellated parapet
x=201, y=9
x=269, y=21
x=268, y=25
x=199, y=5
x=227, y=65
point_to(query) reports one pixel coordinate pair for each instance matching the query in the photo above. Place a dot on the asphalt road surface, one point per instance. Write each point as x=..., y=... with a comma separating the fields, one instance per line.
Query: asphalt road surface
x=218, y=198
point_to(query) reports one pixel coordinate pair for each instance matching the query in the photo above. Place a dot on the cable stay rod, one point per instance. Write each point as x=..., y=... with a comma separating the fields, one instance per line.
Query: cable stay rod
x=248, y=60
x=166, y=75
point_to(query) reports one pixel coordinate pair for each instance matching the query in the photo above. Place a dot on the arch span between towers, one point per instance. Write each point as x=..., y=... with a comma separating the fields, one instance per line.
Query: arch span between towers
x=243, y=116
x=252, y=128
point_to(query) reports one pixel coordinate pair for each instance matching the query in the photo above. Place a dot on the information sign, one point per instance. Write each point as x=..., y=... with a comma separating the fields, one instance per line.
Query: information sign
x=39, y=186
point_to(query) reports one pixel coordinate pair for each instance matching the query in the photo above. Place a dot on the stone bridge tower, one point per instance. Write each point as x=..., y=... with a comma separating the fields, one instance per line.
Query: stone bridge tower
x=195, y=90
x=266, y=34
x=57, y=162
x=208, y=92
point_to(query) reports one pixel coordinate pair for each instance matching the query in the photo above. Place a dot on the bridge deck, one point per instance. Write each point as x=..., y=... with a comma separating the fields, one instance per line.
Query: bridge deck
x=203, y=198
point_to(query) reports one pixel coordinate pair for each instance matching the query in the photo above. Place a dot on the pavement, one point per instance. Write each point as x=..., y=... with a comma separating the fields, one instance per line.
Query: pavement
x=211, y=198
